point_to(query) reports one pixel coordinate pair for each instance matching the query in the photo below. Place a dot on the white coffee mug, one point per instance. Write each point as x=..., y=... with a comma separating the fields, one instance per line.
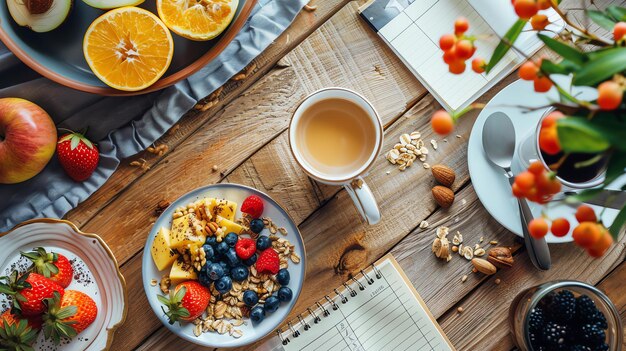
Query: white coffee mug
x=351, y=180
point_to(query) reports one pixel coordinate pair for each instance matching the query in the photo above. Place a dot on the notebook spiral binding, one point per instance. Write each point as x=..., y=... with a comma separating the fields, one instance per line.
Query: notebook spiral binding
x=318, y=311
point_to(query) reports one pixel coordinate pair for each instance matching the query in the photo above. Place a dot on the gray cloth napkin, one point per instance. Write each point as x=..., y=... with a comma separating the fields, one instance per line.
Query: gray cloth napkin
x=122, y=126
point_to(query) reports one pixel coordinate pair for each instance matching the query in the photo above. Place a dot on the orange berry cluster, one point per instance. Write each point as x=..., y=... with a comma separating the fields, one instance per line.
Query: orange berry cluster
x=548, y=135
x=458, y=48
x=527, y=9
x=588, y=234
x=536, y=184
x=530, y=71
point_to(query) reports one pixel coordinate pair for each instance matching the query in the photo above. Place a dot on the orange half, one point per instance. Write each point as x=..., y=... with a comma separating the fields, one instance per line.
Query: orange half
x=197, y=19
x=128, y=48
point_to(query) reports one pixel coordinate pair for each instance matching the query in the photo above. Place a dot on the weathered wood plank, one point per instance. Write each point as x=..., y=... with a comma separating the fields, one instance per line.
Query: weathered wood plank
x=305, y=23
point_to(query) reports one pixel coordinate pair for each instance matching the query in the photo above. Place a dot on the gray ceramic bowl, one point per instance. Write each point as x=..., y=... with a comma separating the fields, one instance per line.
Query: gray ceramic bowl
x=58, y=54
x=251, y=332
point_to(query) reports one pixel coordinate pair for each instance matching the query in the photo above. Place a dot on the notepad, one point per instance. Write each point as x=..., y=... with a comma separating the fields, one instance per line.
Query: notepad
x=412, y=28
x=377, y=310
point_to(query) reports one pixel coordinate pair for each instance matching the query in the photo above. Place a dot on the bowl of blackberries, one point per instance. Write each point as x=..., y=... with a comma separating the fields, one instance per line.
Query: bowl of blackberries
x=565, y=316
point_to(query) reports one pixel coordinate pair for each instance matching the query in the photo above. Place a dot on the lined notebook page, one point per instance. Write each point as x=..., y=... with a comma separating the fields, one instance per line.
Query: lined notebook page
x=414, y=33
x=387, y=315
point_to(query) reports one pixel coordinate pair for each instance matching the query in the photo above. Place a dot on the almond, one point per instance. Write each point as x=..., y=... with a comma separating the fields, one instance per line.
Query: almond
x=444, y=196
x=484, y=266
x=443, y=174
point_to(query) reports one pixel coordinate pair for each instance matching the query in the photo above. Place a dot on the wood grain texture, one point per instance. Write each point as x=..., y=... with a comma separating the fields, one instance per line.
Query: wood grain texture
x=304, y=24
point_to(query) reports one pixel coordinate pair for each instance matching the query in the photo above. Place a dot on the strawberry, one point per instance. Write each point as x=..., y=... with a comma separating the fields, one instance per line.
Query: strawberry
x=51, y=265
x=69, y=315
x=187, y=302
x=78, y=156
x=29, y=292
x=252, y=205
x=268, y=262
x=245, y=248
x=16, y=333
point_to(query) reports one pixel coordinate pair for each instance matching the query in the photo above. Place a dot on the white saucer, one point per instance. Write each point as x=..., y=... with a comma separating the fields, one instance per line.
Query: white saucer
x=489, y=182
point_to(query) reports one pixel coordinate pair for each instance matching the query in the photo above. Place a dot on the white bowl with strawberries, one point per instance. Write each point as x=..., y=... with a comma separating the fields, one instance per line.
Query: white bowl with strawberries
x=223, y=266
x=60, y=289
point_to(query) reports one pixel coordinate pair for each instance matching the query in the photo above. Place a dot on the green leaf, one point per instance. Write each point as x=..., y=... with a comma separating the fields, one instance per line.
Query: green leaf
x=601, y=19
x=164, y=300
x=618, y=223
x=616, y=167
x=617, y=12
x=563, y=49
x=613, y=129
x=564, y=67
x=579, y=135
x=583, y=196
x=601, y=67
x=505, y=44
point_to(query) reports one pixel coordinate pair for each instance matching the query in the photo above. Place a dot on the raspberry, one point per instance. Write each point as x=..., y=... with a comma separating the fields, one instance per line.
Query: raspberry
x=252, y=205
x=245, y=248
x=268, y=262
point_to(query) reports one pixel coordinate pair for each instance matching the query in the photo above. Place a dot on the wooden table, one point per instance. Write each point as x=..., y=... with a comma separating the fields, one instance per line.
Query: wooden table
x=243, y=132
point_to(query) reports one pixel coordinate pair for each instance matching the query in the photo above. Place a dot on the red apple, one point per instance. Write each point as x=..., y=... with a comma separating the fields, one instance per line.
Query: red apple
x=27, y=140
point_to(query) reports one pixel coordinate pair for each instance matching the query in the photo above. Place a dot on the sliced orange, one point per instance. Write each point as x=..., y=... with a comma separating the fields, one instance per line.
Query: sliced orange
x=128, y=48
x=197, y=19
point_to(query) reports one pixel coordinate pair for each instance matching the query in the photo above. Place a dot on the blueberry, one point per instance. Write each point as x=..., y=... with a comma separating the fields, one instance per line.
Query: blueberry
x=223, y=285
x=214, y=271
x=284, y=294
x=209, y=253
x=203, y=276
x=231, y=239
x=225, y=268
x=263, y=242
x=231, y=257
x=283, y=277
x=257, y=314
x=271, y=304
x=250, y=298
x=239, y=273
x=211, y=240
x=222, y=247
x=251, y=260
x=256, y=225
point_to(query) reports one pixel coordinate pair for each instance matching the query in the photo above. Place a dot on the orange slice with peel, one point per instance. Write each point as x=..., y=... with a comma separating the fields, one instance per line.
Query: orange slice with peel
x=197, y=19
x=128, y=48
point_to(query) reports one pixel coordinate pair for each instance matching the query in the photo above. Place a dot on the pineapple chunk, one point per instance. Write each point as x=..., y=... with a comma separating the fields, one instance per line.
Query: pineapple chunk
x=230, y=225
x=182, y=272
x=223, y=208
x=186, y=230
x=162, y=254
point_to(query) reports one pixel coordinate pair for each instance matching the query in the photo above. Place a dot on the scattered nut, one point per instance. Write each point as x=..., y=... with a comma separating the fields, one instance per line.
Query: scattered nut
x=468, y=253
x=484, y=266
x=501, y=257
x=493, y=242
x=464, y=278
x=153, y=282
x=459, y=310
x=443, y=196
x=423, y=225
x=455, y=248
x=497, y=281
x=165, y=284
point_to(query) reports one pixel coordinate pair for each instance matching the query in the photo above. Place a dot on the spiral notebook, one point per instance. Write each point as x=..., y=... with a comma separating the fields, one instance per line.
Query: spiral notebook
x=379, y=309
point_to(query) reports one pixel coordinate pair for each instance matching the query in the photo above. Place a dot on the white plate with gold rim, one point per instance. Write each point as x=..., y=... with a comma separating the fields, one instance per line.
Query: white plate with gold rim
x=96, y=273
x=251, y=332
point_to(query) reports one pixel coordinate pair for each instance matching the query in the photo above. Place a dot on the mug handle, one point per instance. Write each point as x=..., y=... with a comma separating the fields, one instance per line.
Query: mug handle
x=364, y=200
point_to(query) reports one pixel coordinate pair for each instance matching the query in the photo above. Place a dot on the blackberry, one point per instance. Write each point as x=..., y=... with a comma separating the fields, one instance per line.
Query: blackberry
x=601, y=347
x=599, y=319
x=591, y=334
x=536, y=319
x=562, y=308
x=585, y=307
x=555, y=336
x=578, y=347
x=535, y=340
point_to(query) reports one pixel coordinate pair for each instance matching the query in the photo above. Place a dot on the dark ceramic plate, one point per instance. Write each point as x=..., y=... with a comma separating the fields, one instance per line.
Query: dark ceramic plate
x=58, y=54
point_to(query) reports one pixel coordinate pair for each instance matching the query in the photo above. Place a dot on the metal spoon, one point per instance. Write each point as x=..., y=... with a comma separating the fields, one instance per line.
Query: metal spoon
x=499, y=146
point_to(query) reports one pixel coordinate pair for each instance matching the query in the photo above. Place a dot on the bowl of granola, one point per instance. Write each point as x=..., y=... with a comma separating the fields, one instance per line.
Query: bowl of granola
x=223, y=265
